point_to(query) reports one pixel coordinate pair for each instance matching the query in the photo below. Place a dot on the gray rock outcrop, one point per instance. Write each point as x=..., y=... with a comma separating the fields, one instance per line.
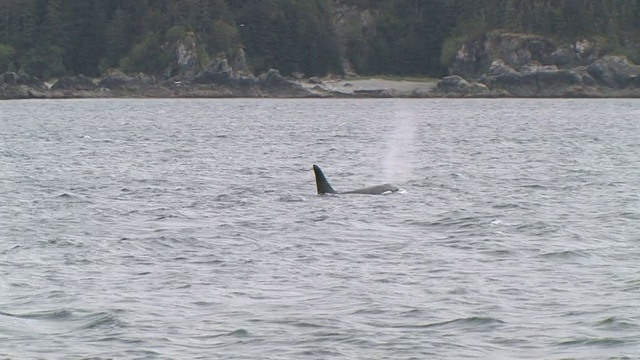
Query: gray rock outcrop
x=240, y=63
x=615, y=72
x=218, y=72
x=21, y=86
x=117, y=80
x=457, y=86
x=533, y=66
x=185, y=63
x=10, y=78
x=79, y=82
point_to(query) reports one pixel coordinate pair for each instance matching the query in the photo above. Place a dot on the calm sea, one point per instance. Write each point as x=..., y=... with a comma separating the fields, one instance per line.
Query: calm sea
x=190, y=229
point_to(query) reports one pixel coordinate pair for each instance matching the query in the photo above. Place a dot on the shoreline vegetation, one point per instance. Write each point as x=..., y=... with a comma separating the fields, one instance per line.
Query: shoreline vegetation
x=80, y=87
x=498, y=64
x=319, y=49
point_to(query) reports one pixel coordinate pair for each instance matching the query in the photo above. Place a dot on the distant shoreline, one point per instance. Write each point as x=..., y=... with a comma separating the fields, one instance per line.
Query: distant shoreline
x=325, y=88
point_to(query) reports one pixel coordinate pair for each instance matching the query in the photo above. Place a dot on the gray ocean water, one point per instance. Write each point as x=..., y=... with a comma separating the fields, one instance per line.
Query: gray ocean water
x=190, y=229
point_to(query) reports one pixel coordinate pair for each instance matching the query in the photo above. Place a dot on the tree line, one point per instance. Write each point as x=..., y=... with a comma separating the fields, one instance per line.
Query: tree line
x=52, y=38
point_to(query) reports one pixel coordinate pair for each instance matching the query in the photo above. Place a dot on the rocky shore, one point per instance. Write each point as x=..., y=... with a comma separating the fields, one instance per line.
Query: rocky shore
x=498, y=64
x=269, y=85
x=524, y=65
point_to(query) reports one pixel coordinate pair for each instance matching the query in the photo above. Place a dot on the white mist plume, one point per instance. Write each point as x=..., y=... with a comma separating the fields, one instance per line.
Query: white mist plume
x=398, y=164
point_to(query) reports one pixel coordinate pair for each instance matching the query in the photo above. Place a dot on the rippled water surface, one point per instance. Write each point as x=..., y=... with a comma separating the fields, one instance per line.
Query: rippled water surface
x=191, y=229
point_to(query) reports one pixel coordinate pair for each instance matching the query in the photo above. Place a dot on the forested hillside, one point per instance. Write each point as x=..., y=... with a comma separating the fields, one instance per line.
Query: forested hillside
x=51, y=38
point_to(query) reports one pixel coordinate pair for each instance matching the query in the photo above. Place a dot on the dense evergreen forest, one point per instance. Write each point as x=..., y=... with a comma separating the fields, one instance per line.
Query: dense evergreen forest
x=52, y=38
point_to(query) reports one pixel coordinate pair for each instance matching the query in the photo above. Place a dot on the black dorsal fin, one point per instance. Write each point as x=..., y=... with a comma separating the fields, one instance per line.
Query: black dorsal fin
x=322, y=184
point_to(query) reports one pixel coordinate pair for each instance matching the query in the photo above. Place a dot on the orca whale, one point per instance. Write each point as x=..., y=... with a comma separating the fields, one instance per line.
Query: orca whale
x=323, y=186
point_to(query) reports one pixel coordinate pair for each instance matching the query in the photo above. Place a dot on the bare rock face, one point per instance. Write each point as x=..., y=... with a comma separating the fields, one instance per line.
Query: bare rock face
x=21, y=86
x=455, y=85
x=499, y=68
x=536, y=80
x=217, y=72
x=275, y=84
x=514, y=50
x=273, y=79
x=533, y=66
x=615, y=72
x=185, y=62
x=10, y=78
x=240, y=63
x=504, y=52
x=117, y=80
x=31, y=81
x=114, y=80
x=517, y=50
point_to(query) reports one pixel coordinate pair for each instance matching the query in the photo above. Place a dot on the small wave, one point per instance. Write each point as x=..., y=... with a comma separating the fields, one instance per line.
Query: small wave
x=72, y=198
x=630, y=215
x=333, y=335
x=534, y=186
x=566, y=254
x=463, y=222
x=538, y=228
x=614, y=323
x=167, y=216
x=291, y=198
x=369, y=311
x=468, y=322
x=14, y=247
x=42, y=315
x=304, y=324
x=64, y=242
x=498, y=253
x=11, y=153
x=320, y=218
x=412, y=312
x=89, y=321
x=632, y=285
x=420, y=223
x=100, y=320
x=321, y=354
x=223, y=197
x=606, y=341
x=239, y=333
x=507, y=206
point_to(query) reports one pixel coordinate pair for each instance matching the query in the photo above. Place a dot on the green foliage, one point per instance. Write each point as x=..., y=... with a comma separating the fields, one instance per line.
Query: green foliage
x=464, y=32
x=119, y=38
x=85, y=23
x=6, y=56
x=45, y=61
x=450, y=48
x=146, y=56
x=401, y=37
x=290, y=35
x=224, y=37
x=176, y=33
x=610, y=46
